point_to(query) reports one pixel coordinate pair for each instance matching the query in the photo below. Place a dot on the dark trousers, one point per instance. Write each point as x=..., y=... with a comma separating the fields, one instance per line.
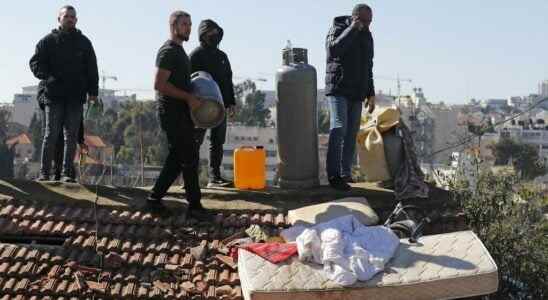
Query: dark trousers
x=63, y=119
x=183, y=155
x=216, y=142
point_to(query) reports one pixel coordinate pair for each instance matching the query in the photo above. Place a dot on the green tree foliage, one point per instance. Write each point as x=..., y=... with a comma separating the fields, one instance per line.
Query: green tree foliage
x=123, y=130
x=250, y=105
x=323, y=121
x=6, y=154
x=507, y=215
x=36, y=133
x=524, y=157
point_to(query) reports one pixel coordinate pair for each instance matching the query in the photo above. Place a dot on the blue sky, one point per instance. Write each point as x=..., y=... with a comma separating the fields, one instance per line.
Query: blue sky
x=454, y=50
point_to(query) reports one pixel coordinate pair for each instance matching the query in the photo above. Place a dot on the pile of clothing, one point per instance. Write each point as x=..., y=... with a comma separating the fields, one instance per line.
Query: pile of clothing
x=348, y=250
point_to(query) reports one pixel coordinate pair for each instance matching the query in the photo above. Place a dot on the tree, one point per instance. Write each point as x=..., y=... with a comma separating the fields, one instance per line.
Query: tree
x=36, y=133
x=323, y=121
x=250, y=108
x=137, y=119
x=524, y=157
x=6, y=154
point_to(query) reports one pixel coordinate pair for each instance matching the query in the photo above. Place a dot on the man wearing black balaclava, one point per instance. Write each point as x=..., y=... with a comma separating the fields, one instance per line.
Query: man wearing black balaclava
x=209, y=58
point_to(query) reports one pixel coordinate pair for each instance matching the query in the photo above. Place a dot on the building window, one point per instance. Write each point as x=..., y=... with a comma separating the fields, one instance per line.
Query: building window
x=271, y=153
x=228, y=152
x=228, y=167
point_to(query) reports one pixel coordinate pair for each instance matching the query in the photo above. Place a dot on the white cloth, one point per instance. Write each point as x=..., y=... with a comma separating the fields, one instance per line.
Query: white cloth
x=349, y=250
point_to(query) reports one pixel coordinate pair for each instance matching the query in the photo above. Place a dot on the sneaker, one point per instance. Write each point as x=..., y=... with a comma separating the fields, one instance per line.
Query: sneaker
x=339, y=184
x=67, y=179
x=42, y=177
x=57, y=177
x=348, y=179
x=219, y=182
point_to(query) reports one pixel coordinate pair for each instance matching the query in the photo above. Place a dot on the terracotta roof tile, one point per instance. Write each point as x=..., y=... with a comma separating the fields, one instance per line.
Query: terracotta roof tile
x=116, y=290
x=224, y=277
x=234, y=278
x=18, y=211
x=144, y=241
x=211, y=277
x=237, y=293
x=4, y=267
x=175, y=259
x=160, y=260
x=129, y=290
x=21, y=252
x=8, y=253
x=22, y=285
x=6, y=210
x=9, y=285
x=28, y=212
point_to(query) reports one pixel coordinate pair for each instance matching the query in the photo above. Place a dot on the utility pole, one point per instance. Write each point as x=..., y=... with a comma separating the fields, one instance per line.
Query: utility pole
x=398, y=81
x=112, y=167
x=140, y=126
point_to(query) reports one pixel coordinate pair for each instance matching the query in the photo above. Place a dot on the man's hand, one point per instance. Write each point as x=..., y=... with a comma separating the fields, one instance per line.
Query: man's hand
x=357, y=23
x=92, y=99
x=193, y=102
x=84, y=149
x=370, y=103
x=231, y=112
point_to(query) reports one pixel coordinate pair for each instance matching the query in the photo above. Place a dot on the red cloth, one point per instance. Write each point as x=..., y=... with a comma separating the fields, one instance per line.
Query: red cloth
x=273, y=252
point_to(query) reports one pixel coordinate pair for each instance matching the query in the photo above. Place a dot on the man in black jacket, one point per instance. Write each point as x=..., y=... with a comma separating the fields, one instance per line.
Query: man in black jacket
x=65, y=59
x=348, y=83
x=209, y=58
x=175, y=102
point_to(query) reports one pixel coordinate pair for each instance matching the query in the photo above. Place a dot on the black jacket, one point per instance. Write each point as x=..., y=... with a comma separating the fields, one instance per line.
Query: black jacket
x=66, y=62
x=214, y=61
x=349, y=69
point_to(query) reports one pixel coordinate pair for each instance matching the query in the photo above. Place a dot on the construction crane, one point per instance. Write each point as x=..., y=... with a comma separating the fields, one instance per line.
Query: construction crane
x=398, y=81
x=261, y=79
x=105, y=77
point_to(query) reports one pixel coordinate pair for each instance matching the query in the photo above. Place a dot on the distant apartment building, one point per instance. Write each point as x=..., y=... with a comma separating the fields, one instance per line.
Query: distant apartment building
x=543, y=88
x=494, y=104
x=239, y=136
x=25, y=104
x=532, y=135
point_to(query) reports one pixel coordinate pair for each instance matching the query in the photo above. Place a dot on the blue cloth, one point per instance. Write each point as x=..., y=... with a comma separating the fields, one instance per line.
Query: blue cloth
x=345, y=118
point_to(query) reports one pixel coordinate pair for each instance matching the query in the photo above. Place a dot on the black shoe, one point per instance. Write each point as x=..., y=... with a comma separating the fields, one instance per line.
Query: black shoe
x=197, y=211
x=57, y=177
x=42, y=178
x=348, y=179
x=219, y=182
x=67, y=179
x=155, y=205
x=339, y=184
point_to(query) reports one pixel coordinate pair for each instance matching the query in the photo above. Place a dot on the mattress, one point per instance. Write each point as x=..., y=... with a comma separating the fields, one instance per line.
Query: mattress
x=444, y=266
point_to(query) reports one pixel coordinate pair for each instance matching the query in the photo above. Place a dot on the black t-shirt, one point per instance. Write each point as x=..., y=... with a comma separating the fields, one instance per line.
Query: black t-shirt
x=172, y=57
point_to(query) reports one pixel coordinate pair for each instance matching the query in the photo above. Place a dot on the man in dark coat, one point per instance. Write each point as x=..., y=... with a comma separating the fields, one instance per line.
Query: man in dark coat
x=65, y=60
x=348, y=83
x=209, y=58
